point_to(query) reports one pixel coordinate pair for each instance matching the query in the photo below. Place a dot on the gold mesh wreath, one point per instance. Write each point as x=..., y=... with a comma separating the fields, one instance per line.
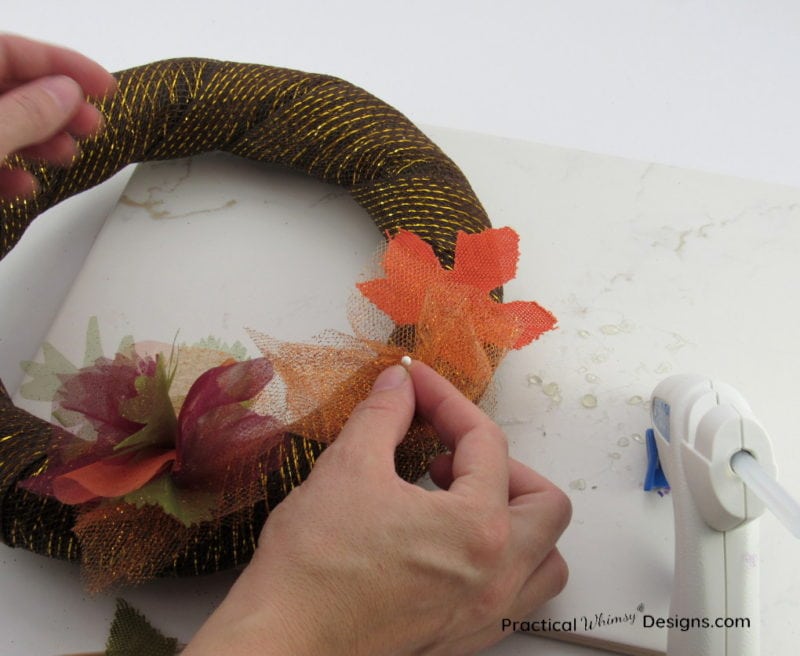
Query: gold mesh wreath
x=324, y=126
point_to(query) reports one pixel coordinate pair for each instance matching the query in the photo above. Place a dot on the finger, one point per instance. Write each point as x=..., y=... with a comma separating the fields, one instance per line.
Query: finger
x=36, y=111
x=380, y=422
x=60, y=149
x=23, y=60
x=16, y=184
x=441, y=470
x=537, y=522
x=540, y=512
x=86, y=122
x=450, y=412
x=480, y=449
x=523, y=480
x=547, y=581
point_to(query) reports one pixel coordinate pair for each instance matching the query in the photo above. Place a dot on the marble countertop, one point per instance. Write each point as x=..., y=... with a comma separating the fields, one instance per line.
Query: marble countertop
x=645, y=267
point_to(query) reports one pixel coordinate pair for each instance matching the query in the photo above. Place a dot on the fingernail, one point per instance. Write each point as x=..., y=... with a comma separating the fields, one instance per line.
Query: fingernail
x=101, y=123
x=62, y=89
x=390, y=378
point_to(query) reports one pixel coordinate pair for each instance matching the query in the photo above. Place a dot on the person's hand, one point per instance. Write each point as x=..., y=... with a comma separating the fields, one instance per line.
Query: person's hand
x=43, y=106
x=358, y=562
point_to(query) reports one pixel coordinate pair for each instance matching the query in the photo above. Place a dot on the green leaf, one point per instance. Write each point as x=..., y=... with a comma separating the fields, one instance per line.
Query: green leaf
x=153, y=408
x=94, y=349
x=188, y=507
x=237, y=349
x=76, y=422
x=45, y=375
x=132, y=635
x=126, y=346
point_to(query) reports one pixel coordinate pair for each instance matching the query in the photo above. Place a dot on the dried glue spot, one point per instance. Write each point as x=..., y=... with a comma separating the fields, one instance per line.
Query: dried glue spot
x=609, y=329
x=615, y=455
x=635, y=400
x=533, y=379
x=583, y=333
x=589, y=401
x=678, y=344
x=553, y=391
x=591, y=378
x=577, y=484
x=637, y=437
x=623, y=441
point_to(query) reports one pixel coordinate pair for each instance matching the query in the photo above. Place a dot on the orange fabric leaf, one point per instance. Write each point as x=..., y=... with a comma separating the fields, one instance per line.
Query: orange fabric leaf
x=406, y=252
x=111, y=477
x=411, y=267
x=487, y=259
x=531, y=317
x=483, y=261
x=400, y=303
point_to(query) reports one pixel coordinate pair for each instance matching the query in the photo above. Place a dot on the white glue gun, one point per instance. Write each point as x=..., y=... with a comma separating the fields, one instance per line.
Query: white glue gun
x=719, y=465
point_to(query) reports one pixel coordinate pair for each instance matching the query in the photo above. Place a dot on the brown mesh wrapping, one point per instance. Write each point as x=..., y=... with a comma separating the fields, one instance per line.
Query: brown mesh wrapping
x=318, y=124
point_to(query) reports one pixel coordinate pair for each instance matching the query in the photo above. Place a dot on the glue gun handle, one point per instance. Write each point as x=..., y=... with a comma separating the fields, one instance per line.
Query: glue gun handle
x=715, y=584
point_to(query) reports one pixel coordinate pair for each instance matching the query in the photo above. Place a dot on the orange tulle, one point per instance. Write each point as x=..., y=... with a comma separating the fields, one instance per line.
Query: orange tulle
x=415, y=279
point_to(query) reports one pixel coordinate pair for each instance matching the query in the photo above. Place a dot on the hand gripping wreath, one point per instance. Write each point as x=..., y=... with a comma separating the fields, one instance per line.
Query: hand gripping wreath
x=444, y=266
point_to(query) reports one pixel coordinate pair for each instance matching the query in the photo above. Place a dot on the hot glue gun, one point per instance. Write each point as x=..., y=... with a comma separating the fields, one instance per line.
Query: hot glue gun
x=717, y=461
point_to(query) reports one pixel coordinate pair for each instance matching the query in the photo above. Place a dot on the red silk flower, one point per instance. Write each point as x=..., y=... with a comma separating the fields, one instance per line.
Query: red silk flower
x=143, y=449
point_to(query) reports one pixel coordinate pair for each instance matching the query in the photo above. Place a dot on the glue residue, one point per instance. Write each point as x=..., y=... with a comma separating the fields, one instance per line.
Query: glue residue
x=533, y=379
x=553, y=391
x=589, y=401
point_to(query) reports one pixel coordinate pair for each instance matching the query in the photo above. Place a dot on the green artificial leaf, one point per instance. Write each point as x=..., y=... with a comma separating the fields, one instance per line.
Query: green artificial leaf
x=46, y=376
x=94, y=349
x=76, y=422
x=126, y=346
x=188, y=507
x=153, y=408
x=132, y=635
x=237, y=349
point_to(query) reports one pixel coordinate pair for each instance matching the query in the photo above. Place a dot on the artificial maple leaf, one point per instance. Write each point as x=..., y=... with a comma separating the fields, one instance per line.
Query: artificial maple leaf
x=483, y=261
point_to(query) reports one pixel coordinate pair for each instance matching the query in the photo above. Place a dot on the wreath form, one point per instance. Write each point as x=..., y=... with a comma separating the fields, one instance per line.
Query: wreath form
x=321, y=125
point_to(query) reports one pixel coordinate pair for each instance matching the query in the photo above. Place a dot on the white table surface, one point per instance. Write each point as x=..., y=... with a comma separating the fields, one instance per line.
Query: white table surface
x=707, y=85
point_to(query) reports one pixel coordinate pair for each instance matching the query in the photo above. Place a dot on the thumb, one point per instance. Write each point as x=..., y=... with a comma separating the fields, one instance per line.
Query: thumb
x=34, y=112
x=379, y=423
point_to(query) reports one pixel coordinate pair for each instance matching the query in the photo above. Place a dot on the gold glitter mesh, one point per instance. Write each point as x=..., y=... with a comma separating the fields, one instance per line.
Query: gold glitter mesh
x=318, y=124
